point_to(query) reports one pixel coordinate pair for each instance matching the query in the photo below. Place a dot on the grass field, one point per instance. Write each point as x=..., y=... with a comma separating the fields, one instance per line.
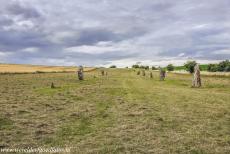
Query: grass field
x=118, y=113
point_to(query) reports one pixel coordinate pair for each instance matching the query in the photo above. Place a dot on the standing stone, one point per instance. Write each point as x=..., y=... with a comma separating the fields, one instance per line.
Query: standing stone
x=102, y=72
x=143, y=72
x=151, y=75
x=138, y=72
x=106, y=73
x=162, y=75
x=80, y=73
x=196, y=77
x=52, y=86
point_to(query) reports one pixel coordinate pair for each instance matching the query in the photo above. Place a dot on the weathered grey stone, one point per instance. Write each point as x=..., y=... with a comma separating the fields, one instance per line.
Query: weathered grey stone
x=80, y=73
x=138, y=72
x=196, y=77
x=52, y=85
x=102, y=72
x=162, y=75
x=143, y=72
x=151, y=75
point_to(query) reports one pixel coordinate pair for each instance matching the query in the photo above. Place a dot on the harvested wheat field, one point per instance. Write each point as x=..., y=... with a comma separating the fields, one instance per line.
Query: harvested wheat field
x=118, y=113
x=19, y=68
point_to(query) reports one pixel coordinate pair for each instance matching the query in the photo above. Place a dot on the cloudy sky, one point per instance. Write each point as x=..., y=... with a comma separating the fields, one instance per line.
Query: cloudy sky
x=106, y=32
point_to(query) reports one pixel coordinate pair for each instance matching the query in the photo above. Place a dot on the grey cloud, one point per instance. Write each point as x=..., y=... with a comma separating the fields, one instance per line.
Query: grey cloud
x=146, y=30
x=26, y=12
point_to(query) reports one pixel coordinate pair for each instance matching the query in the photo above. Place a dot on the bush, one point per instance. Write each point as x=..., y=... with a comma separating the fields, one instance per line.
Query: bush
x=113, y=66
x=212, y=67
x=223, y=66
x=189, y=66
x=170, y=67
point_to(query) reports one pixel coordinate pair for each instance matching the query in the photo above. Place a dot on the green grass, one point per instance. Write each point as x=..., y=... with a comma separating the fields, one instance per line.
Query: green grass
x=6, y=123
x=118, y=113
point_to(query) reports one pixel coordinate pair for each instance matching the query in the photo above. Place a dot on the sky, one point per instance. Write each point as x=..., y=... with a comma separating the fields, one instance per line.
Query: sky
x=113, y=32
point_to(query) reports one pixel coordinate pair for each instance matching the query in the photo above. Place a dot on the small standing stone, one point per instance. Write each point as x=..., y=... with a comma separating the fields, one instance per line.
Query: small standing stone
x=138, y=72
x=80, y=73
x=52, y=86
x=102, y=72
x=162, y=75
x=196, y=77
x=151, y=75
x=143, y=72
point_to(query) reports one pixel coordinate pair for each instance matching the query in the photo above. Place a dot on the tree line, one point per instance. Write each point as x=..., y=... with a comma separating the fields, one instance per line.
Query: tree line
x=223, y=66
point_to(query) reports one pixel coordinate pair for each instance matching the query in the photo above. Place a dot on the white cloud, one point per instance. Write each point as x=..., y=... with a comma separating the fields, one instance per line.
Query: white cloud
x=5, y=53
x=60, y=37
x=30, y=50
x=225, y=51
x=181, y=54
x=99, y=48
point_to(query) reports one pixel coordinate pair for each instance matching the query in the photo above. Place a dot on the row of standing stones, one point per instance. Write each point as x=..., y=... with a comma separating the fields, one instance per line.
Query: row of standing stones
x=196, y=82
x=80, y=73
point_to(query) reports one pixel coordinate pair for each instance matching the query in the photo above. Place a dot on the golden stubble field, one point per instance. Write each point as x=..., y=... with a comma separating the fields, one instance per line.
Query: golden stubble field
x=18, y=68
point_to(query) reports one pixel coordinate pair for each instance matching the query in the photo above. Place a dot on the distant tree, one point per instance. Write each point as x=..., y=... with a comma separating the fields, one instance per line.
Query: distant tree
x=113, y=66
x=154, y=68
x=142, y=67
x=170, y=67
x=135, y=66
x=147, y=67
x=189, y=65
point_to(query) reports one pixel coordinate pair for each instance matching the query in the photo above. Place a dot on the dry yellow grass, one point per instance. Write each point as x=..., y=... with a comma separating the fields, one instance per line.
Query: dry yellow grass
x=206, y=73
x=119, y=113
x=18, y=68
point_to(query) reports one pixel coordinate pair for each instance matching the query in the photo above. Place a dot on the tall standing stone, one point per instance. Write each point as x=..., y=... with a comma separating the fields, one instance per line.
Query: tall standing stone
x=80, y=73
x=162, y=75
x=196, y=77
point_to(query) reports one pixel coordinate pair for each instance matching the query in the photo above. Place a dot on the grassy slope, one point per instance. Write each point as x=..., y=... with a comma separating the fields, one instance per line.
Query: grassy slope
x=118, y=113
